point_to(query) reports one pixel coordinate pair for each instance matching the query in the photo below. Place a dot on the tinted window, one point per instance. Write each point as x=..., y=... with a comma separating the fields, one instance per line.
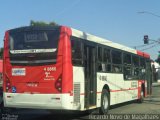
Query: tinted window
x=116, y=61
x=106, y=56
x=116, y=57
x=76, y=51
x=33, y=45
x=99, y=53
x=135, y=60
x=127, y=58
x=33, y=40
x=127, y=68
x=142, y=62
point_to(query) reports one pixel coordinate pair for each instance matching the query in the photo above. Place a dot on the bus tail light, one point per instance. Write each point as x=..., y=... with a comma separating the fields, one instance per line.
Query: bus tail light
x=8, y=85
x=58, y=84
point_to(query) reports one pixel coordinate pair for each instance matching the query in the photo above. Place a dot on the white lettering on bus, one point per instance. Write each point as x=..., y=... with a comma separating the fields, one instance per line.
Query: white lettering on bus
x=50, y=69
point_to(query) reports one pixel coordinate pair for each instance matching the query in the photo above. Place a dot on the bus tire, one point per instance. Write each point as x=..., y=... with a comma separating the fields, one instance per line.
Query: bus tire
x=141, y=99
x=105, y=102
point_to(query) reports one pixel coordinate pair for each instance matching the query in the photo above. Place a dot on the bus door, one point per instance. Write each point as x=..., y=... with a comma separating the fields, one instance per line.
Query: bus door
x=90, y=75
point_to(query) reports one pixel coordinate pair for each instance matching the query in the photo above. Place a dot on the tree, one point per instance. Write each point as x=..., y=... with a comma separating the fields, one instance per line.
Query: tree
x=158, y=58
x=42, y=23
x=1, y=53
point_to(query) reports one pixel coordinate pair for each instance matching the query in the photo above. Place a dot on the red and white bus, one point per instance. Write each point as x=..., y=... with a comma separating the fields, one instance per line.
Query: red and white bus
x=61, y=68
x=1, y=68
x=1, y=81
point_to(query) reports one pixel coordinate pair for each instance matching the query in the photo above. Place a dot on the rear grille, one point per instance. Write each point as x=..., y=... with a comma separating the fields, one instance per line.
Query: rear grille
x=76, y=92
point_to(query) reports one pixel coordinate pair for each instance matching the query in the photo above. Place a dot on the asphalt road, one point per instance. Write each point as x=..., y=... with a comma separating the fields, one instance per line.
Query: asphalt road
x=151, y=105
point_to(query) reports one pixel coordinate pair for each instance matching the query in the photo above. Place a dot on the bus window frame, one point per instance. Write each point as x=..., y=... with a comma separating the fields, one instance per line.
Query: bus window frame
x=117, y=67
x=80, y=59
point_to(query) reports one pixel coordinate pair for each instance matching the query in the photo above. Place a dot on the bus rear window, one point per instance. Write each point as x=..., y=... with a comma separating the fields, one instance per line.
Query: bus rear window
x=33, y=45
x=33, y=40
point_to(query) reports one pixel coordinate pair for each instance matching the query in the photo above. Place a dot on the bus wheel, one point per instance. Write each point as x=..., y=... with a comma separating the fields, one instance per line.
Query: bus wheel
x=105, y=102
x=141, y=99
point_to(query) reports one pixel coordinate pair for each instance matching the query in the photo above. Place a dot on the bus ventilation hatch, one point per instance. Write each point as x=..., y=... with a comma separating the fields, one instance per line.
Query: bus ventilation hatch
x=76, y=92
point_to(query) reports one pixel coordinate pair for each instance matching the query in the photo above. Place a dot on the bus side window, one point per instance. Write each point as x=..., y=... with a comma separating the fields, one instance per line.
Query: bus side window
x=99, y=57
x=135, y=66
x=104, y=59
x=116, y=61
x=100, y=54
x=127, y=68
x=76, y=51
x=142, y=68
x=107, y=59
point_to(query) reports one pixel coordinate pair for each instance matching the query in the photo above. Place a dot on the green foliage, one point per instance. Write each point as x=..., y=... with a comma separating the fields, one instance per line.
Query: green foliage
x=1, y=53
x=42, y=23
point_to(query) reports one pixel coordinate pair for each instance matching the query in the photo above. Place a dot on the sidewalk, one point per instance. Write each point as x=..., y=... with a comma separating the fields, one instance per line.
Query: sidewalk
x=156, y=84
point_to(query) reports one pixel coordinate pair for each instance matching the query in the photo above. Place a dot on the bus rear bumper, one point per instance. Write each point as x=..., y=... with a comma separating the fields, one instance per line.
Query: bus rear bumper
x=38, y=101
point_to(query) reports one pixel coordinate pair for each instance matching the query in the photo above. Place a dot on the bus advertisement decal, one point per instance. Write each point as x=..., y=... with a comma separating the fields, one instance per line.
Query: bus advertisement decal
x=18, y=71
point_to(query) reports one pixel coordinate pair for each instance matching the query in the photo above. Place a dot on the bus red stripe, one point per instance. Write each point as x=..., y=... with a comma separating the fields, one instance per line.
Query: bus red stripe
x=123, y=90
x=115, y=90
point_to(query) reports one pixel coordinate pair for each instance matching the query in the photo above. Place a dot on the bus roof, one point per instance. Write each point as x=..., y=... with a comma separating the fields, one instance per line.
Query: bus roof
x=89, y=37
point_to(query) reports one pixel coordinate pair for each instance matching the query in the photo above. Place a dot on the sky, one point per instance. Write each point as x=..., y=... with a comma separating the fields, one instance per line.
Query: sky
x=121, y=21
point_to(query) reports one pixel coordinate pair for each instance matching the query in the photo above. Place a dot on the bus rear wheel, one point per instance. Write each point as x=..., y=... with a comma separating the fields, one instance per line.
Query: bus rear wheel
x=105, y=102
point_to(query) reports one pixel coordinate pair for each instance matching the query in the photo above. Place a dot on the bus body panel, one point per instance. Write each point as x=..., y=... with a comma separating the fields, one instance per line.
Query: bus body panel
x=39, y=82
x=31, y=80
x=79, y=89
x=131, y=92
x=120, y=90
x=38, y=101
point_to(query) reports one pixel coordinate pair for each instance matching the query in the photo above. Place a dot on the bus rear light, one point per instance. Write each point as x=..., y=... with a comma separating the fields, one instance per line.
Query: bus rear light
x=59, y=88
x=8, y=86
x=59, y=79
x=58, y=84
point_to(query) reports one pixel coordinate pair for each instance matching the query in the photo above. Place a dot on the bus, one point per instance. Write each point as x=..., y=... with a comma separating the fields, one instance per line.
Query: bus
x=1, y=68
x=1, y=82
x=61, y=68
